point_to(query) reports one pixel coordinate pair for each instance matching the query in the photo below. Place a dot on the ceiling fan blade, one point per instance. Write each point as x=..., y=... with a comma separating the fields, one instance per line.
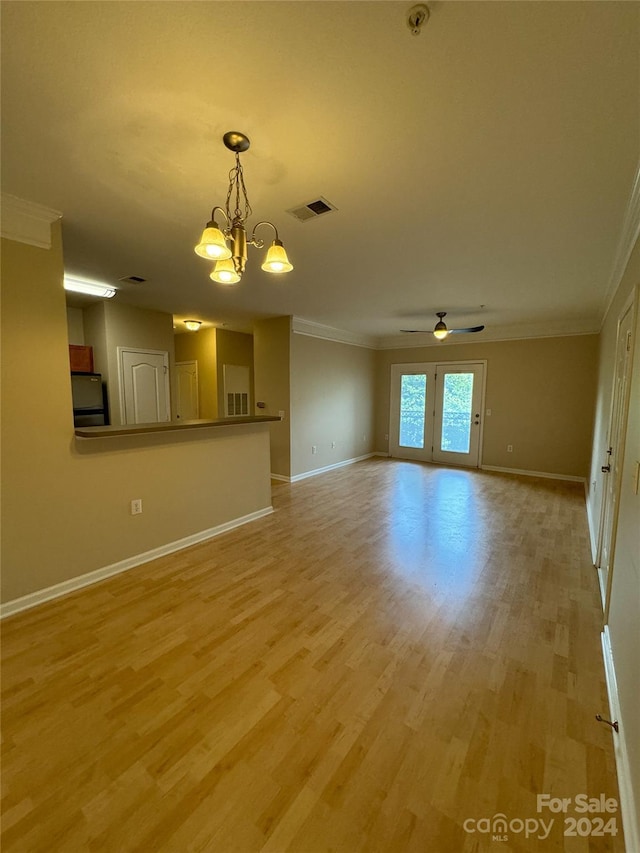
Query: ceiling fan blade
x=470, y=329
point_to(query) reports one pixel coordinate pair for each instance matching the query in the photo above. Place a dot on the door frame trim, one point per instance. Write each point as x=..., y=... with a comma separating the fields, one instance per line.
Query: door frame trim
x=164, y=353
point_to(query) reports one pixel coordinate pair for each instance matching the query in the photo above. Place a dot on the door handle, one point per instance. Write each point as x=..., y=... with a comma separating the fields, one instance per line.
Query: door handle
x=605, y=469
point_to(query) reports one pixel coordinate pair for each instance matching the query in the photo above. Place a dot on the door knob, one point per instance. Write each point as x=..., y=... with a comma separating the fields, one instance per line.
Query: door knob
x=605, y=469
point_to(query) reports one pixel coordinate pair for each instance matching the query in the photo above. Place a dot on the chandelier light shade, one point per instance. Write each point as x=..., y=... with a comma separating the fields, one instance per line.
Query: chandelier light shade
x=213, y=245
x=227, y=246
x=276, y=260
x=224, y=272
x=193, y=325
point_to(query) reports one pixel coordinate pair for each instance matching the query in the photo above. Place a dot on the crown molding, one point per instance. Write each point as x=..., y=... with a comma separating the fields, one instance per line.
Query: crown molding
x=557, y=329
x=300, y=326
x=27, y=222
x=626, y=243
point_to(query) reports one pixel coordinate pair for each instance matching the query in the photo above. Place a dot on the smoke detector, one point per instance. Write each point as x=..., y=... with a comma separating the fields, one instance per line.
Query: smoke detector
x=417, y=16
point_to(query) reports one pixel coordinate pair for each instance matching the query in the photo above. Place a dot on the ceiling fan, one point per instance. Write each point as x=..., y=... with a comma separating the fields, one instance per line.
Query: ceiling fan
x=440, y=331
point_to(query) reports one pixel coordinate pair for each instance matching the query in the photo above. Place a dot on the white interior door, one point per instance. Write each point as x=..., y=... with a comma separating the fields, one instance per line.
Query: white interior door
x=458, y=411
x=187, y=405
x=612, y=467
x=435, y=412
x=144, y=384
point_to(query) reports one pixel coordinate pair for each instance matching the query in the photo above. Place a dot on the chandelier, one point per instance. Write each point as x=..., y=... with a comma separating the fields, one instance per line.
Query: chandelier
x=227, y=246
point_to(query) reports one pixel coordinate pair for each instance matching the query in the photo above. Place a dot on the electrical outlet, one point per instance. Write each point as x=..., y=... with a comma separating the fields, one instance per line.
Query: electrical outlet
x=488, y=412
x=509, y=448
x=136, y=506
x=386, y=438
x=281, y=414
x=314, y=448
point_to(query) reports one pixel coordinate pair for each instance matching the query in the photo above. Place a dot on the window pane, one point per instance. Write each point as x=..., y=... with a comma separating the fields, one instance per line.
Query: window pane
x=413, y=394
x=456, y=412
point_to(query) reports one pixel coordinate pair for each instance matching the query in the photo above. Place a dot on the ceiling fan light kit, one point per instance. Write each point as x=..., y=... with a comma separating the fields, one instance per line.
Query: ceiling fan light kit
x=440, y=331
x=227, y=246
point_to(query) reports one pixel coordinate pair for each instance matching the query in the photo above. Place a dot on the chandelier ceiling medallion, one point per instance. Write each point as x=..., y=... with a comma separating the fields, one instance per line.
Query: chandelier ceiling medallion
x=227, y=246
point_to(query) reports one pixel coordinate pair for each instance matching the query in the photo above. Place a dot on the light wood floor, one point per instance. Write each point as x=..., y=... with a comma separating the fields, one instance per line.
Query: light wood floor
x=399, y=648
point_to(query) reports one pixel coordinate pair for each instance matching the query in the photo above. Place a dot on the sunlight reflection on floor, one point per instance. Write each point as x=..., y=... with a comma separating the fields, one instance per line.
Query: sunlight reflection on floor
x=436, y=533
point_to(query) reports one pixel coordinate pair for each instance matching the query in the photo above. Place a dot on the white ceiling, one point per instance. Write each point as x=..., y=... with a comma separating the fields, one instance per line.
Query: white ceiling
x=487, y=162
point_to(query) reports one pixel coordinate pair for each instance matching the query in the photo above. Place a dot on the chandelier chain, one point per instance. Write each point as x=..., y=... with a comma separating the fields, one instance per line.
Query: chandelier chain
x=236, y=179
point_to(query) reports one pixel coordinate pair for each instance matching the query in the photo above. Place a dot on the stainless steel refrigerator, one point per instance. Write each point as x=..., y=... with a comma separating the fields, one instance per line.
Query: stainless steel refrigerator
x=89, y=400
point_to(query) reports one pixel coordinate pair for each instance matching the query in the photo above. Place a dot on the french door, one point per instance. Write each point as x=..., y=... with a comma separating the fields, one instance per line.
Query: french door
x=436, y=412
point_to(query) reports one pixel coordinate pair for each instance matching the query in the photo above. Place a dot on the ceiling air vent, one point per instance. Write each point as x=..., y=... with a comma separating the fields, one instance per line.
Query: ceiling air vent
x=133, y=279
x=312, y=209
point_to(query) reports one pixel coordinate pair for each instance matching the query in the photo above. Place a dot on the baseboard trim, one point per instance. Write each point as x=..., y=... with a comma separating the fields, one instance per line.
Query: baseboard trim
x=593, y=540
x=26, y=602
x=297, y=477
x=280, y=477
x=627, y=802
x=569, y=477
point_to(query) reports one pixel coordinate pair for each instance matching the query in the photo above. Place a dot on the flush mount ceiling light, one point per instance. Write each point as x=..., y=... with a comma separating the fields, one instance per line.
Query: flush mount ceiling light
x=193, y=325
x=89, y=288
x=227, y=246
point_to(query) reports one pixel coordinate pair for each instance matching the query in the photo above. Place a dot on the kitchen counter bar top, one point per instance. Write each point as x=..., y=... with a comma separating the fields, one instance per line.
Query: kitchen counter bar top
x=167, y=426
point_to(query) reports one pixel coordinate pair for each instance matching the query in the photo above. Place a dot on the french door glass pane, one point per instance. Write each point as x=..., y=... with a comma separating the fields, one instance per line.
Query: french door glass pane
x=413, y=395
x=456, y=412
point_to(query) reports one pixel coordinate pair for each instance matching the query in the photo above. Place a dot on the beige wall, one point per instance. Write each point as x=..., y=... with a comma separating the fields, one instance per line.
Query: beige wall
x=234, y=348
x=95, y=336
x=66, y=502
x=623, y=619
x=201, y=347
x=540, y=392
x=272, y=353
x=75, y=326
x=332, y=400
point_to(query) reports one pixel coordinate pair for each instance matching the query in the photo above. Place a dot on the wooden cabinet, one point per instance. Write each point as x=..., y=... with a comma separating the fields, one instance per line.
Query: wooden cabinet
x=81, y=359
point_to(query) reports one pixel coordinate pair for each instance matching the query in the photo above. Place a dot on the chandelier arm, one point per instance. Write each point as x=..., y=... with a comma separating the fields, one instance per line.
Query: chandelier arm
x=222, y=211
x=259, y=244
